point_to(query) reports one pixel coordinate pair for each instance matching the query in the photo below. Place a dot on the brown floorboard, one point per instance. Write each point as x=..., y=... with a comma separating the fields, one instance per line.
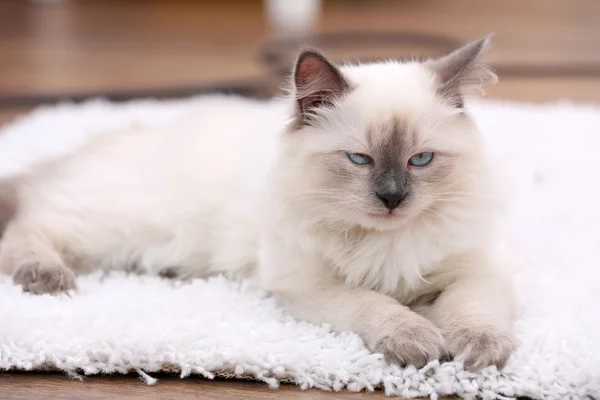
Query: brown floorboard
x=38, y=386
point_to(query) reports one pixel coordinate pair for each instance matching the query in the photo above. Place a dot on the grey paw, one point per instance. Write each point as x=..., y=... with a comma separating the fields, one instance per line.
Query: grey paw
x=413, y=342
x=479, y=346
x=39, y=278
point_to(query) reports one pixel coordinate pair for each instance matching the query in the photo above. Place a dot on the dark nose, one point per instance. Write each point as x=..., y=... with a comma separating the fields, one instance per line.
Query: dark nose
x=392, y=199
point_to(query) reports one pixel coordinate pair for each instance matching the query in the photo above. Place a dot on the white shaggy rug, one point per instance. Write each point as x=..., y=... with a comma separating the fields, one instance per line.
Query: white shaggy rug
x=119, y=323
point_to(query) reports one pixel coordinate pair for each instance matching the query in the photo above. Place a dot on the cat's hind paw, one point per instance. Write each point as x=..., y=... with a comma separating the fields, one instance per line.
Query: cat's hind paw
x=38, y=277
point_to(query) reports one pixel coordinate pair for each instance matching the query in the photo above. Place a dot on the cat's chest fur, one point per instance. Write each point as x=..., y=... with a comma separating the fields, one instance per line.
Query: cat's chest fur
x=391, y=264
x=394, y=263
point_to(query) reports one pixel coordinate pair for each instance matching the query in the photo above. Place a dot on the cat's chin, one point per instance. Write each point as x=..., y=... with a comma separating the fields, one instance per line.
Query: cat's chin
x=384, y=220
x=385, y=215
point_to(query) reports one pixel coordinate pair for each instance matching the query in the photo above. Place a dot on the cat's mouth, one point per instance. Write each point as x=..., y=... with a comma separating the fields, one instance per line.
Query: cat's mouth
x=387, y=214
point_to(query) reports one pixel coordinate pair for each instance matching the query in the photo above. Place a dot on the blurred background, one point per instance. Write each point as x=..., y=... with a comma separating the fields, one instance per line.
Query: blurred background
x=74, y=49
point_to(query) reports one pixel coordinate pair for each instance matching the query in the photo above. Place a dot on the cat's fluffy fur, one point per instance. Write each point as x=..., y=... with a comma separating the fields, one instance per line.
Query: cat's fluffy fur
x=267, y=189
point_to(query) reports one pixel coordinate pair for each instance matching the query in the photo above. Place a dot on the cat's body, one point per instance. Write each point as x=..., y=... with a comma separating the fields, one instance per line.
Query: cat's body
x=285, y=192
x=158, y=200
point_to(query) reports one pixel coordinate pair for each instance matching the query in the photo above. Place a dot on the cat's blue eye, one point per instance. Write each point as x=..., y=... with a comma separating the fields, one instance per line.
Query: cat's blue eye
x=421, y=159
x=359, y=159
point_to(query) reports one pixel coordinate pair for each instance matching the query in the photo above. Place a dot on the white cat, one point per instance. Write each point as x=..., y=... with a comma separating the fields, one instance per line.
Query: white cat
x=362, y=200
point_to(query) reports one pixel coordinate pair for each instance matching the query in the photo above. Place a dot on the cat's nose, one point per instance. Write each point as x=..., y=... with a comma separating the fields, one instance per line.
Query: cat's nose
x=392, y=199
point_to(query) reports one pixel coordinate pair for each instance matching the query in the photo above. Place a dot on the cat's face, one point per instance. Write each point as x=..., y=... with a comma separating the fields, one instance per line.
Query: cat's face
x=377, y=145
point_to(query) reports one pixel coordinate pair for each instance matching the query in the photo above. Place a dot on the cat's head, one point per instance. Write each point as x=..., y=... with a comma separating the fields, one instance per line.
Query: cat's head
x=377, y=145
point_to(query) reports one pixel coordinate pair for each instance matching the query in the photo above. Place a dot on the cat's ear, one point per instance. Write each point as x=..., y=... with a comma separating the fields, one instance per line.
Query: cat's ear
x=317, y=81
x=464, y=71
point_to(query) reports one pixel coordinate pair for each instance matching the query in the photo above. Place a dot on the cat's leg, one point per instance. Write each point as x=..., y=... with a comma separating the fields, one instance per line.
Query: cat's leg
x=305, y=286
x=475, y=313
x=386, y=326
x=33, y=261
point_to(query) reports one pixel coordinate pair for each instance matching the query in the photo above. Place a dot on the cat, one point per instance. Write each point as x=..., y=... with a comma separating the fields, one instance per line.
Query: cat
x=364, y=199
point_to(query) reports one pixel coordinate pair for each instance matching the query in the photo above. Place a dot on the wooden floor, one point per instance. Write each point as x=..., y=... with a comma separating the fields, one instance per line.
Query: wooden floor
x=83, y=46
x=550, y=49
x=30, y=386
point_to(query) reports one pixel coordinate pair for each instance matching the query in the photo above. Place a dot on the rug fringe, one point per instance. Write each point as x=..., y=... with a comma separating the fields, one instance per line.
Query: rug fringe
x=148, y=380
x=74, y=375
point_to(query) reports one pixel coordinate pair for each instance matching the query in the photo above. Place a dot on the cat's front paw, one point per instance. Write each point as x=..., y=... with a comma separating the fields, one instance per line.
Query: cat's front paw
x=479, y=345
x=38, y=277
x=409, y=341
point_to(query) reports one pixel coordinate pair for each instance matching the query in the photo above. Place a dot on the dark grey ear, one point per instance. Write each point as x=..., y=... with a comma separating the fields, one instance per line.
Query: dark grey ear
x=317, y=81
x=464, y=72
